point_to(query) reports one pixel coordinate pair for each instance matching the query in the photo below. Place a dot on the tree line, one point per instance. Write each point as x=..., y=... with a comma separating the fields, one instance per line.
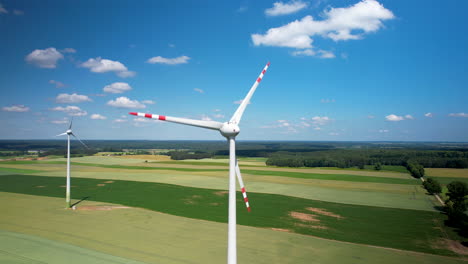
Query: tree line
x=345, y=158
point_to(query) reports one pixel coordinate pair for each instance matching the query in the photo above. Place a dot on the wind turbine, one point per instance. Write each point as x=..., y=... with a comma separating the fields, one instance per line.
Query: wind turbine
x=229, y=130
x=68, y=133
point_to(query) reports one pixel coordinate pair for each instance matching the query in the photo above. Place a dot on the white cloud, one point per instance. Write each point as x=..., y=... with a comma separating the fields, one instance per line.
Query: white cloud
x=71, y=98
x=98, y=117
x=124, y=102
x=3, y=10
x=395, y=118
x=18, y=12
x=142, y=120
x=326, y=101
x=217, y=110
x=169, y=61
x=428, y=115
x=100, y=65
x=218, y=116
x=320, y=120
x=117, y=87
x=459, y=114
x=280, y=8
x=68, y=50
x=383, y=131
x=46, y=58
x=118, y=120
x=323, y=54
x=198, y=90
x=334, y=134
x=338, y=24
x=317, y=128
x=16, y=108
x=371, y=116
x=305, y=124
x=60, y=121
x=70, y=110
x=148, y=102
x=57, y=83
x=206, y=118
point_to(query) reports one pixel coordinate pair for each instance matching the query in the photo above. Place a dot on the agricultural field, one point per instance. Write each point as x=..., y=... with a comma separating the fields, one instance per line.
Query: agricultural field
x=133, y=209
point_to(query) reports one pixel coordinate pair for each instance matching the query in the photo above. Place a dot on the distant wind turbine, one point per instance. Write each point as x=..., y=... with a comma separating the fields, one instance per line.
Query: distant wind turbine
x=68, y=133
x=229, y=130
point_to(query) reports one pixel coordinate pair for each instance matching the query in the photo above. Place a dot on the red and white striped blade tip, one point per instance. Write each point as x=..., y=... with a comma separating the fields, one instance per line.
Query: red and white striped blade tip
x=133, y=113
x=268, y=64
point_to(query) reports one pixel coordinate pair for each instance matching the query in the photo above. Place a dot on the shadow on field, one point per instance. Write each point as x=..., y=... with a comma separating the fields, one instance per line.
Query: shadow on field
x=82, y=199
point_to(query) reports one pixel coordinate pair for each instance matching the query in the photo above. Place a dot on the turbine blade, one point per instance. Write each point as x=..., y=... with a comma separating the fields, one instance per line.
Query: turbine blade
x=63, y=134
x=80, y=141
x=71, y=122
x=240, y=111
x=241, y=183
x=185, y=121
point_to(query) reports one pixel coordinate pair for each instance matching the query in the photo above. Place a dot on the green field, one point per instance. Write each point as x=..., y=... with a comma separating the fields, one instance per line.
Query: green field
x=344, y=209
x=152, y=237
x=356, y=223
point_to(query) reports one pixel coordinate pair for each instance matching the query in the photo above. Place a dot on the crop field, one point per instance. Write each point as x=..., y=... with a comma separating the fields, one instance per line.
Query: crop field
x=133, y=210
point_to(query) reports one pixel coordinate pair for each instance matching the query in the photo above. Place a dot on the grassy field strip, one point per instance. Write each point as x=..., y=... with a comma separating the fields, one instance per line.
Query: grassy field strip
x=336, y=177
x=212, y=164
x=386, y=227
x=154, y=237
x=17, y=170
x=372, y=194
x=22, y=248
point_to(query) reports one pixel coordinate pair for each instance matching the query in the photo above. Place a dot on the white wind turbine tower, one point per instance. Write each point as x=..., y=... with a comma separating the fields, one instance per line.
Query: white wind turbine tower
x=68, y=133
x=229, y=130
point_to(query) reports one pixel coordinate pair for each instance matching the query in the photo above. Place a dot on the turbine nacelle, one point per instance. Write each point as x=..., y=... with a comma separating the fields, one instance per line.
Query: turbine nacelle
x=69, y=132
x=229, y=129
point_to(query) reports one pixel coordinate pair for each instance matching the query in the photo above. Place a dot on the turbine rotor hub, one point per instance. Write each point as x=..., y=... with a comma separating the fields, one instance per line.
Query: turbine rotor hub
x=229, y=130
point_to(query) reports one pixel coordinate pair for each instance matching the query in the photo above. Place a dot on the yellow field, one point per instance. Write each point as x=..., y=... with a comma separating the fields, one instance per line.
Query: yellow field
x=443, y=172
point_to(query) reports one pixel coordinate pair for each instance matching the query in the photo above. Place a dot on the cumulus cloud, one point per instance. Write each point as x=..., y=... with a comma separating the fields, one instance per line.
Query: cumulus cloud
x=46, y=58
x=98, y=117
x=16, y=108
x=71, y=110
x=57, y=83
x=428, y=115
x=206, y=118
x=148, y=102
x=60, y=121
x=100, y=65
x=71, y=98
x=169, y=61
x=3, y=10
x=395, y=118
x=323, y=54
x=346, y=23
x=320, y=120
x=459, y=114
x=124, y=102
x=117, y=87
x=198, y=90
x=409, y=117
x=280, y=8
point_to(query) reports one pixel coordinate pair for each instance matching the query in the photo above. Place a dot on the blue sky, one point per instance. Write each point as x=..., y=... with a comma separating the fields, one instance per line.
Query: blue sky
x=340, y=70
